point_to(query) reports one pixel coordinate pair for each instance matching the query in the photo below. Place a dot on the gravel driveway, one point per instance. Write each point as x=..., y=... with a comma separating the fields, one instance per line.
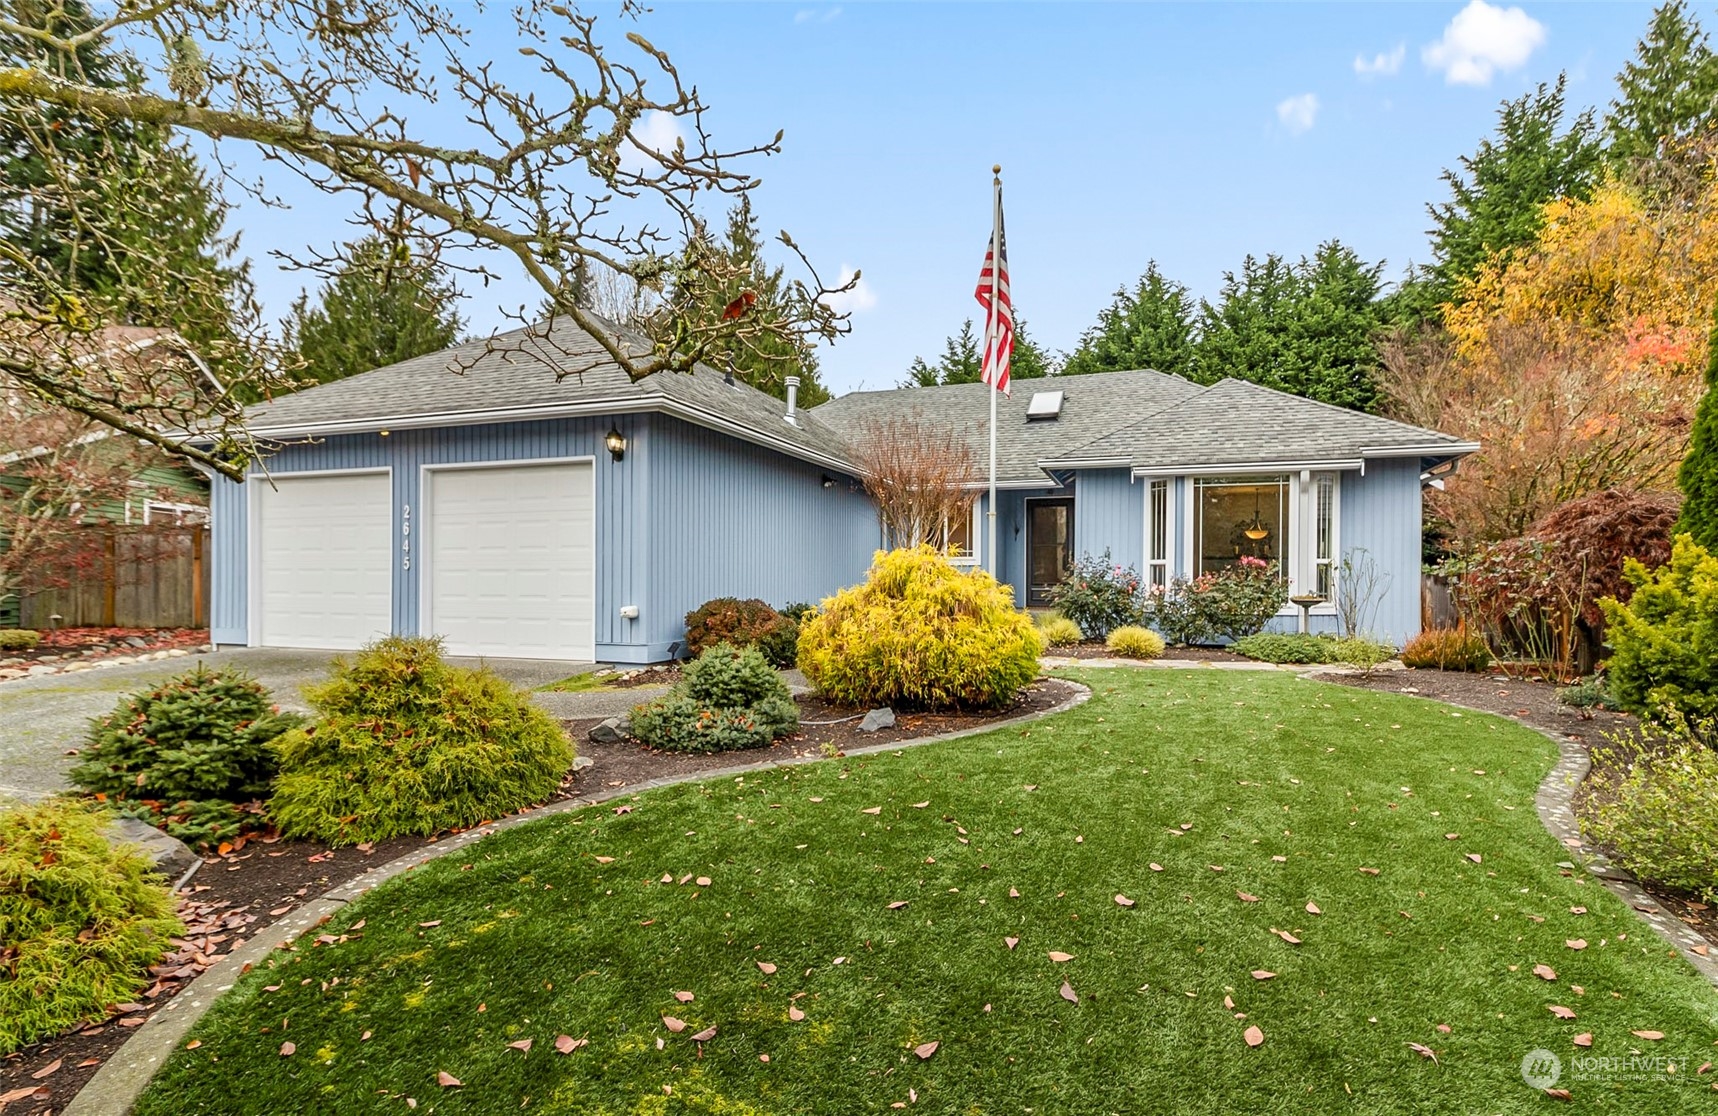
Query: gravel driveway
x=42, y=718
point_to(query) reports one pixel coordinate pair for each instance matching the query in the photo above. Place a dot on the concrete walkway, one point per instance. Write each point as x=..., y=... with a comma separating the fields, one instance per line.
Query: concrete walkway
x=41, y=719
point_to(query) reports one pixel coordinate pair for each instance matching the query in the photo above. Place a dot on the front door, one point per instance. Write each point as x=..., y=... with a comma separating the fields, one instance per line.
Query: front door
x=1049, y=547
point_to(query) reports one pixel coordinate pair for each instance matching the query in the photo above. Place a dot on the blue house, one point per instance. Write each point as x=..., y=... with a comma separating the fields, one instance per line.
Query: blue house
x=524, y=497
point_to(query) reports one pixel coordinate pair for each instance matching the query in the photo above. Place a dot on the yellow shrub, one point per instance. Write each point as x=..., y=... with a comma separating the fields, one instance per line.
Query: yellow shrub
x=1058, y=630
x=1135, y=642
x=920, y=634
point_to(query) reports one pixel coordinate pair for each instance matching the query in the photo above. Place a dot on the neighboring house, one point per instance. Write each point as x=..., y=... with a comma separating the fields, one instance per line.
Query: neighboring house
x=542, y=504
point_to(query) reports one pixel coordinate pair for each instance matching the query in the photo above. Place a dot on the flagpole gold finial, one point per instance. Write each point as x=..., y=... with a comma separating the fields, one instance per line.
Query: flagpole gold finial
x=997, y=169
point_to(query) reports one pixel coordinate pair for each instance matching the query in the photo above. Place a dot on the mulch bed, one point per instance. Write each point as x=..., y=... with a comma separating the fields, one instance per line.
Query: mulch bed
x=101, y=643
x=1534, y=702
x=1181, y=654
x=235, y=897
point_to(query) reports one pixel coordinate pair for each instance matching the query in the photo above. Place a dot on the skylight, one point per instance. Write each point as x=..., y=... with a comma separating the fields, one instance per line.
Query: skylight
x=1045, y=405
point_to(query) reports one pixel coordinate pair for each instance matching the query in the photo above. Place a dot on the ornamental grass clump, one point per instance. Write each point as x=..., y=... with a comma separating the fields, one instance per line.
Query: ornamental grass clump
x=404, y=743
x=729, y=698
x=1059, y=631
x=81, y=921
x=1447, y=649
x=1134, y=642
x=189, y=755
x=920, y=634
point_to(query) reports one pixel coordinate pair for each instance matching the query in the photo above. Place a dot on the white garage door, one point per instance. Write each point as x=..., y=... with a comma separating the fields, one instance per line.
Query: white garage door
x=512, y=561
x=323, y=565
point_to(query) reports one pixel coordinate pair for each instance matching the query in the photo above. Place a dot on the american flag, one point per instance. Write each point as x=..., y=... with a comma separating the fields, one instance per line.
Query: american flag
x=998, y=318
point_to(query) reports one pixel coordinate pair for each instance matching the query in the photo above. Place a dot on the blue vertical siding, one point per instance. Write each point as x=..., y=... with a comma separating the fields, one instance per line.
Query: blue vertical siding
x=1380, y=513
x=1110, y=515
x=730, y=519
x=229, y=581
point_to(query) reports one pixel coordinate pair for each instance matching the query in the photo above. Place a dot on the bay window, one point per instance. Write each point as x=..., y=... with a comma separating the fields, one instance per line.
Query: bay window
x=1239, y=517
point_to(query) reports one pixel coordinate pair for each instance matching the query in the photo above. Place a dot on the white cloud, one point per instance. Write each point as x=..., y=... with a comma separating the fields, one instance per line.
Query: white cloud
x=1482, y=40
x=1298, y=113
x=656, y=131
x=817, y=15
x=1382, y=64
x=860, y=297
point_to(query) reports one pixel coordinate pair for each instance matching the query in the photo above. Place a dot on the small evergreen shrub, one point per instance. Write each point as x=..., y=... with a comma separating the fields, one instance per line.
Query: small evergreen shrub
x=1588, y=693
x=1662, y=818
x=742, y=624
x=919, y=633
x=81, y=921
x=1098, y=595
x=18, y=639
x=1665, y=639
x=185, y=755
x=405, y=743
x=1447, y=649
x=1059, y=631
x=729, y=698
x=1303, y=649
x=1134, y=642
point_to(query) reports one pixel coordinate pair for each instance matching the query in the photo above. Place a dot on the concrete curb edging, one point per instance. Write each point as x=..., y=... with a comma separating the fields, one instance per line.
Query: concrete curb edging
x=122, y=1078
x=1555, y=803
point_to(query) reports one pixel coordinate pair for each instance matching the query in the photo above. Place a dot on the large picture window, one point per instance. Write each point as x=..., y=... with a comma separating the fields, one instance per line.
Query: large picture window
x=1239, y=517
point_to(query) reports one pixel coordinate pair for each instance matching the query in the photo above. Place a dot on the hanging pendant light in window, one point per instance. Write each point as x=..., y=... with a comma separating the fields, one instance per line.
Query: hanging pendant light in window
x=1256, y=530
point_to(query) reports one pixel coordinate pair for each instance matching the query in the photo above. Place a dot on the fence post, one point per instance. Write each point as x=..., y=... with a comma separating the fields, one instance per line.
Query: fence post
x=109, y=602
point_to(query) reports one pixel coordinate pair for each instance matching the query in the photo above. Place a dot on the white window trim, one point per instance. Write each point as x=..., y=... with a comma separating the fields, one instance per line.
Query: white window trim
x=970, y=559
x=1168, y=559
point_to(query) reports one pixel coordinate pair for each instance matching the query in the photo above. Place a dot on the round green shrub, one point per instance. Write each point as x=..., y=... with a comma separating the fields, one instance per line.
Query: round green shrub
x=920, y=634
x=406, y=744
x=748, y=623
x=81, y=921
x=18, y=639
x=1135, y=642
x=1447, y=649
x=1664, y=641
x=1662, y=817
x=184, y=755
x=729, y=698
x=1305, y=649
x=1059, y=631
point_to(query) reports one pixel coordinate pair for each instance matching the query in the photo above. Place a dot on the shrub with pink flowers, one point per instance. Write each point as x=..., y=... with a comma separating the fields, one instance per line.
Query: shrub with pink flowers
x=1099, y=595
x=1228, y=604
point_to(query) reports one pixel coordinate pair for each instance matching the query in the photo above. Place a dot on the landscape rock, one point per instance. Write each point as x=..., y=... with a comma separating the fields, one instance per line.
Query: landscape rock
x=582, y=762
x=612, y=731
x=43, y=668
x=878, y=719
x=171, y=856
x=134, y=641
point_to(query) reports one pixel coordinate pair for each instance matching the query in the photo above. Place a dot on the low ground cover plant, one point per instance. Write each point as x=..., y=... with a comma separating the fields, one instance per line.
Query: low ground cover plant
x=405, y=743
x=1301, y=648
x=1447, y=649
x=744, y=623
x=1099, y=594
x=1664, y=640
x=1134, y=642
x=919, y=633
x=727, y=699
x=1661, y=817
x=188, y=755
x=1058, y=630
x=80, y=921
x=18, y=639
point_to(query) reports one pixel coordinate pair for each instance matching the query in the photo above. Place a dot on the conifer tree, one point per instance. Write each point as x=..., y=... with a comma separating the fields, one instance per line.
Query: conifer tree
x=1698, y=477
x=1150, y=326
x=1668, y=92
x=383, y=306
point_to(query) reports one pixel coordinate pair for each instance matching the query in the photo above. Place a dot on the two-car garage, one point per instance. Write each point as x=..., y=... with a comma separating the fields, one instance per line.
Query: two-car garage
x=501, y=558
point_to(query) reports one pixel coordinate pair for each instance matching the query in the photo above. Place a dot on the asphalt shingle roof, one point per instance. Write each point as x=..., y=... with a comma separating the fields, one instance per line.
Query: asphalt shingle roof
x=1237, y=422
x=526, y=370
x=1092, y=406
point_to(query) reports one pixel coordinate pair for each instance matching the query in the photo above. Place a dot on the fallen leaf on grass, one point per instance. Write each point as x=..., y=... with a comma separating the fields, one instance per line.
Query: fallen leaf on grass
x=1368, y=871
x=763, y=1058
x=1544, y=972
x=1058, y=956
x=1245, y=897
x=1013, y=894
x=1263, y=974
x=925, y=1049
x=702, y=881
x=447, y=1080
x=1011, y=942
x=1560, y=1011
x=1312, y=908
x=522, y=1045
x=705, y=1035
x=898, y=904
x=794, y=1013
x=1423, y=1050
x=1285, y=936
x=48, y=1070
x=684, y=997
x=622, y=810
x=675, y=1026
x=605, y=860
x=920, y=805
x=430, y=924
x=1068, y=993
x=766, y=968
x=287, y=1049
x=1254, y=1036
x=193, y=1044
x=1476, y=858
x=872, y=810
x=1576, y=943
x=1123, y=901
x=1583, y=1040
x=1560, y=1094
x=566, y=1044
x=271, y=988
x=1650, y=1036
x=1156, y=867
x=1443, y=1028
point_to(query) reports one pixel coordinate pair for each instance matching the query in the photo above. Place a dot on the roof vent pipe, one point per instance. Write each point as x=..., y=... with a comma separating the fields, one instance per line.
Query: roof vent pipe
x=792, y=399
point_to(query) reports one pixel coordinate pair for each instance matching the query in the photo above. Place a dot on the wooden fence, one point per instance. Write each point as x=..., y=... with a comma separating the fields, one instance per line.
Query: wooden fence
x=128, y=577
x=1437, y=607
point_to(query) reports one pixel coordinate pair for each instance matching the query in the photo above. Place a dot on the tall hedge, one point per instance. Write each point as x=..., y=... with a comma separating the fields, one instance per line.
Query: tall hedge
x=1698, y=477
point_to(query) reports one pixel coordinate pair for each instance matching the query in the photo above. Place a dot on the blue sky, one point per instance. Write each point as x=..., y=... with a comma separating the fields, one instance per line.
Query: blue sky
x=1192, y=134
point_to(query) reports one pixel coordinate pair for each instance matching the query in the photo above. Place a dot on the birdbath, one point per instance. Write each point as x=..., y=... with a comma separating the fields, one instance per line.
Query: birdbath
x=1305, y=601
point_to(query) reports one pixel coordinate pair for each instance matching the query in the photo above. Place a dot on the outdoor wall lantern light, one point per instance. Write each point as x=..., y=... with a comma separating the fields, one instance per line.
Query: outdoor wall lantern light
x=828, y=481
x=616, y=443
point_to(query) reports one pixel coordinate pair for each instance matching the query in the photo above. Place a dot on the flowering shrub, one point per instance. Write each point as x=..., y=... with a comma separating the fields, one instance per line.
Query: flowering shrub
x=1099, y=595
x=1230, y=604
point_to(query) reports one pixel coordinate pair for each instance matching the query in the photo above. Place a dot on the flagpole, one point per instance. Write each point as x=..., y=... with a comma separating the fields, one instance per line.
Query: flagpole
x=990, y=324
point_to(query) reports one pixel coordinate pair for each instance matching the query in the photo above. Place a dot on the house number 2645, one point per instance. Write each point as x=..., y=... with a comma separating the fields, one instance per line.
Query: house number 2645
x=406, y=538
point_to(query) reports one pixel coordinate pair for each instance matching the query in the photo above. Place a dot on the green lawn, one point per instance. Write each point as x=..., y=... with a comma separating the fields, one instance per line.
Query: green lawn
x=583, y=683
x=1288, y=787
